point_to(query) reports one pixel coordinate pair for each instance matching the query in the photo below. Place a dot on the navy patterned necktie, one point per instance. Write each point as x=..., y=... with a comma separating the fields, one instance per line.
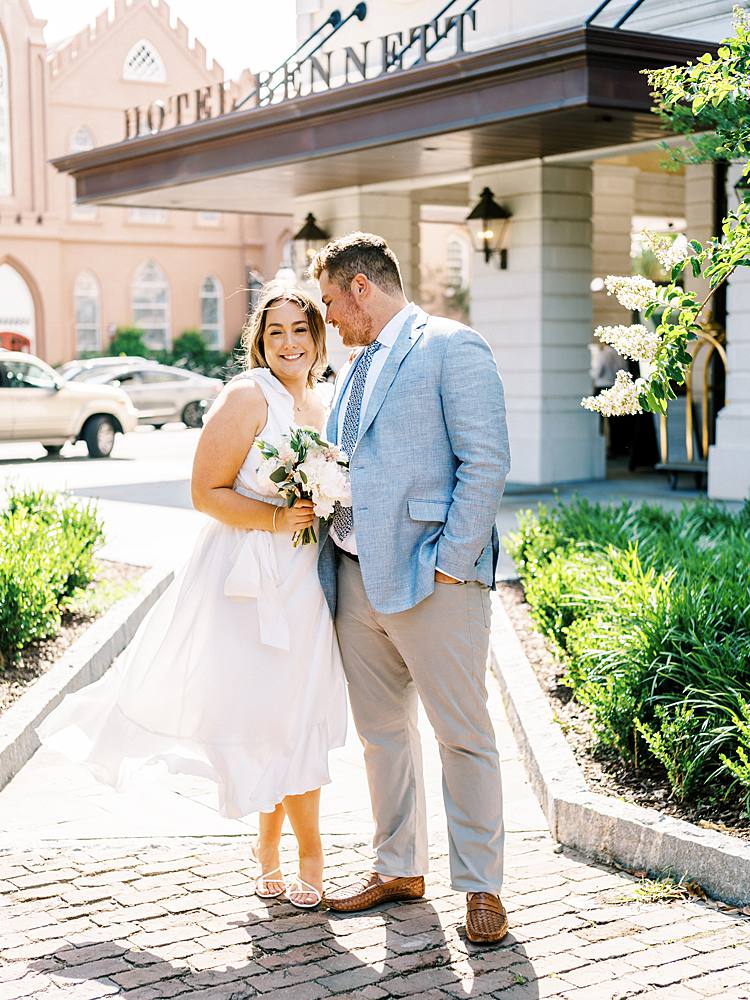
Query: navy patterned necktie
x=343, y=519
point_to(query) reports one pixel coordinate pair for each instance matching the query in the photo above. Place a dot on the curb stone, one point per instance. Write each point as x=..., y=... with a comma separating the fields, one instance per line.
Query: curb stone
x=85, y=661
x=606, y=828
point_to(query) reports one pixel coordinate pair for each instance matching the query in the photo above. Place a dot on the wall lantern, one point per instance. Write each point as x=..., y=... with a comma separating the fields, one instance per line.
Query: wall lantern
x=490, y=225
x=311, y=238
x=742, y=188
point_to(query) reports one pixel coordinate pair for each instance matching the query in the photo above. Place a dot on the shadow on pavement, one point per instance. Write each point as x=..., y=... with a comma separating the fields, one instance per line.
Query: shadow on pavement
x=343, y=953
x=172, y=493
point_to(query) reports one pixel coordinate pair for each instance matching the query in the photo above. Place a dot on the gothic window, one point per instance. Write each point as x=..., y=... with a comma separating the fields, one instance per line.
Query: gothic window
x=151, y=305
x=6, y=173
x=143, y=62
x=88, y=313
x=212, y=312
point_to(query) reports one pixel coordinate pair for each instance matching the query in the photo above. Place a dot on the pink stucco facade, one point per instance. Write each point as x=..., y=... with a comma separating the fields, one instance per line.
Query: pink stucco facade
x=54, y=255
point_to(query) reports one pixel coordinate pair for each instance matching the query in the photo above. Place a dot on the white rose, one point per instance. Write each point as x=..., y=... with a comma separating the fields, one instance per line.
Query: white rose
x=263, y=473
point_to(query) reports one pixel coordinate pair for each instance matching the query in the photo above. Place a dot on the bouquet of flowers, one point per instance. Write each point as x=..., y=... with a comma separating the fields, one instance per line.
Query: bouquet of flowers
x=305, y=467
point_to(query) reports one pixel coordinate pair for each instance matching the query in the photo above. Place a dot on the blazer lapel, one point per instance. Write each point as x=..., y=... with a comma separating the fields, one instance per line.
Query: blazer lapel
x=410, y=333
x=332, y=427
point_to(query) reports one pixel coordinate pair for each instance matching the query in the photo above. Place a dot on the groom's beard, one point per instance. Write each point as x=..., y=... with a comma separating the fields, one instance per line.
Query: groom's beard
x=355, y=326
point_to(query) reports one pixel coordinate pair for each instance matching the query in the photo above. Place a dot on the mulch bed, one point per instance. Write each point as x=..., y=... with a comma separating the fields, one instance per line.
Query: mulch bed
x=602, y=768
x=39, y=656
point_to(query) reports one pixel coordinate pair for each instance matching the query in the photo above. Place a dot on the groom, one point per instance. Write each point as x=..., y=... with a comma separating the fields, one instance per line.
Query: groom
x=407, y=572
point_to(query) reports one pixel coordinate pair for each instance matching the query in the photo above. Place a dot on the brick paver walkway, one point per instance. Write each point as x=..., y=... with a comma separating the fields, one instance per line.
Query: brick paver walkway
x=151, y=896
x=93, y=919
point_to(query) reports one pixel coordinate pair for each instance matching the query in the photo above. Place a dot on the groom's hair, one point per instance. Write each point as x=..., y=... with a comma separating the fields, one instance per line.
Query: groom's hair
x=359, y=253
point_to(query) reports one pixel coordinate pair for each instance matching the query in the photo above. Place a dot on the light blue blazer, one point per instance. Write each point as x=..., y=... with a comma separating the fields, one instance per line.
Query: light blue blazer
x=429, y=468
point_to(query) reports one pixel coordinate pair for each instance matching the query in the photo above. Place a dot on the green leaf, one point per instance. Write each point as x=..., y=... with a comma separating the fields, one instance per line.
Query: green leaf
x=279, y=475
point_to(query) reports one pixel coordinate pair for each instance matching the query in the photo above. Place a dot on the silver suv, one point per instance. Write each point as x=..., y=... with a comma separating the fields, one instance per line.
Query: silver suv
x=37, y=405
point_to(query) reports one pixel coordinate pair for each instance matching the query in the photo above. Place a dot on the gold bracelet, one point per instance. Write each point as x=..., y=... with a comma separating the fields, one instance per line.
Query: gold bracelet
x=273, y=519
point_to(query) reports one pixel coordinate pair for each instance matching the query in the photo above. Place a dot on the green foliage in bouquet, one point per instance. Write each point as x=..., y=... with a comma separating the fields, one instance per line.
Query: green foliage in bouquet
x=649, y=612
x=291, y=478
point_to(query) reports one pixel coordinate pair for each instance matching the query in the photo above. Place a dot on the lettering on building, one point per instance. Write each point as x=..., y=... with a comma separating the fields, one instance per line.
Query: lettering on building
x=314, y=74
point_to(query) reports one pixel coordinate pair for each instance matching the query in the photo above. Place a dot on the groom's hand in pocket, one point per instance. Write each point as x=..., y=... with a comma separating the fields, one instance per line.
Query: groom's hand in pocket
x=444, y=578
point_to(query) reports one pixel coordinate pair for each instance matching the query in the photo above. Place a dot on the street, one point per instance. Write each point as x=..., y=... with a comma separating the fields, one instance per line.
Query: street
x=143, y=489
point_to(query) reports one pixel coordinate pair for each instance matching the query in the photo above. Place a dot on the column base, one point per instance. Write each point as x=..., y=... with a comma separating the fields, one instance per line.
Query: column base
x=729, y=472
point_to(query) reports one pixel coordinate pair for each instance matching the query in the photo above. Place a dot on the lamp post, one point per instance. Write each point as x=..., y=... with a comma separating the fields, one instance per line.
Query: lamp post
x=311, y=237
x=490, y=223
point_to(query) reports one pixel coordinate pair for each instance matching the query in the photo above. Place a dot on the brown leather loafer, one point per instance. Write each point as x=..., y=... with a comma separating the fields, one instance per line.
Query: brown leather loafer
x=371, y=890
x=486, y=919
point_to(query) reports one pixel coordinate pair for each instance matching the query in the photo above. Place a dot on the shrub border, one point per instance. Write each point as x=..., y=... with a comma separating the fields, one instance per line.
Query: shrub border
x=599, y=825
x=85, y=661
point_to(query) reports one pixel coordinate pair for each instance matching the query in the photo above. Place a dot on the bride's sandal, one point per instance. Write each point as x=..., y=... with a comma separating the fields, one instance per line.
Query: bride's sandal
x=264, y=881
x=306, y=897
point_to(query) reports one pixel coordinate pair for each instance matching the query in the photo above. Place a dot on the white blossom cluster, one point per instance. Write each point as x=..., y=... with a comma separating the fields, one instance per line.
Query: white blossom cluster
x=619, y=401
x=320, y=476
x=740, y=17
x=632, y=291
x=668, y=251
x=325, y=479
x=636, y=341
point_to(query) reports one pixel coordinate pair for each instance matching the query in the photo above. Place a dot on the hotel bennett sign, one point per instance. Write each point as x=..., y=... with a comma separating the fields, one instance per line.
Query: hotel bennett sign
x=312, y=74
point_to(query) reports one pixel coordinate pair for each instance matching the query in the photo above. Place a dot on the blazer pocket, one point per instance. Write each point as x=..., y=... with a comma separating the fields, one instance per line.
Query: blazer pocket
x=428, y=510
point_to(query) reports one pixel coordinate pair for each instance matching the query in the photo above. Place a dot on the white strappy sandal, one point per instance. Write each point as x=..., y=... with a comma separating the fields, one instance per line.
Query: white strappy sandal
x=265, y=877
x=302, y=888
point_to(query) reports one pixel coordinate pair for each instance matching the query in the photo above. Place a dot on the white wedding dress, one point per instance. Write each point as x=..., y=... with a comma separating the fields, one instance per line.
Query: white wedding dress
x=235, y=674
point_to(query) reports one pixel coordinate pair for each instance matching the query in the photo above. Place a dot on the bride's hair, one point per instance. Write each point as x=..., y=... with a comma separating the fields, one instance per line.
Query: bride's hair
x=252, y=334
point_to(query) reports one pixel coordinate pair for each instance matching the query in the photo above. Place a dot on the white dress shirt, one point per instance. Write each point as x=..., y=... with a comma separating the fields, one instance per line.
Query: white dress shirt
x=387, y=338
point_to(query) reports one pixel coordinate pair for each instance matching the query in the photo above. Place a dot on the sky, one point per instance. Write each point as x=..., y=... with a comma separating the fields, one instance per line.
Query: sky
x=237, y=33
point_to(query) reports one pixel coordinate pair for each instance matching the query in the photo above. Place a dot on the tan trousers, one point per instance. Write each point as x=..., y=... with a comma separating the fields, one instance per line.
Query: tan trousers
x=436, y=651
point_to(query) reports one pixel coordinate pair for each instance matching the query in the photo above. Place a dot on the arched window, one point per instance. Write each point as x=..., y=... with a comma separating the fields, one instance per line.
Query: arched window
x=212, y=312
x=17, y=313
x=151, y=305
x=143, y=62
x=80, y=141
x=88, y=313
x=456, y=263
x=6, y=167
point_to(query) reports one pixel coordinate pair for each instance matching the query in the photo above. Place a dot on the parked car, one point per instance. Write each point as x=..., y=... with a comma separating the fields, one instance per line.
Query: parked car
x=82, y=369
x=163, y=394
x=37, y=405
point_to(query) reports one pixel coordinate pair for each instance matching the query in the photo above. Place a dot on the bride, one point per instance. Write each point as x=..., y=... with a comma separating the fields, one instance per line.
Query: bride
x=235, y=674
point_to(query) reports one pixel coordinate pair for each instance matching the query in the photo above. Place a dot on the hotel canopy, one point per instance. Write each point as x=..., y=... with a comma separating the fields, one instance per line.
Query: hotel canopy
x=325, y=121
